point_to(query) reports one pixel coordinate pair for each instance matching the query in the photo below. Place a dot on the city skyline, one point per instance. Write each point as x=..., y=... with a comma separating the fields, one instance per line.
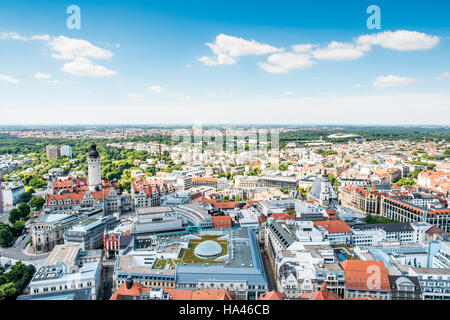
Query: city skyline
x=172, y=63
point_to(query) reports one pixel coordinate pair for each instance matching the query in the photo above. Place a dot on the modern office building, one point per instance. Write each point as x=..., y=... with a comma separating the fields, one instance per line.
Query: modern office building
x=237, y=268
x=289, y=183
x=157, y=219
x=89, y=233
x=242, y=273
x=403, y=211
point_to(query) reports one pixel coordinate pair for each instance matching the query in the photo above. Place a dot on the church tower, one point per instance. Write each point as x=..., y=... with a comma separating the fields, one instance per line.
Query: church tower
x=324, y=190
x=94, y=168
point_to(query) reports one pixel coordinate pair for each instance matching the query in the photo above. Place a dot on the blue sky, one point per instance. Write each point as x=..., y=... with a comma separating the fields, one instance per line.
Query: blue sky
x=293, y=62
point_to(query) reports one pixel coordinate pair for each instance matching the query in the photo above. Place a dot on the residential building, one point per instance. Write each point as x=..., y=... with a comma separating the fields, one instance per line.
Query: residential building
x=442, y=259
x=221, y=222
x=11, y=192
x=405, y=288
x=336, y=231
x=66, y=151
x=52, y=152
x=434, y=283
x=148, y=193
x=205, y=181
x=401, y=232
x=131, y=290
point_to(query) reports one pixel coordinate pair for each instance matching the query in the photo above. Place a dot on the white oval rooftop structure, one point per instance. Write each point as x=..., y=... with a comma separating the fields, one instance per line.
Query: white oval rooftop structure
x=208, y=249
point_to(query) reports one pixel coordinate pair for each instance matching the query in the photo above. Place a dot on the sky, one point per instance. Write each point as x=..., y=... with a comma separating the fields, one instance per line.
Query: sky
x=235, y=62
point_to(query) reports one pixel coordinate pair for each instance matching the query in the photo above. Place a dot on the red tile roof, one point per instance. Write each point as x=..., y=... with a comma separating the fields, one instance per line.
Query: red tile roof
x=334, y=226
x=320, y=295
x=361, y=275
x=135, y=291
x=175, y=294
x=282, y=216
x=272, y=295
x=149, y=187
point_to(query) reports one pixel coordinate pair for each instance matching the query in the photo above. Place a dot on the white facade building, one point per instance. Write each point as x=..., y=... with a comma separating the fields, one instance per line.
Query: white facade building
x=64, y=270
x=442, y=259
x=66, y=151
x=11, y=192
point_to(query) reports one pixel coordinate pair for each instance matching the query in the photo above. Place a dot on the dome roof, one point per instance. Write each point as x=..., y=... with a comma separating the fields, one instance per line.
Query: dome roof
x=208, y=249
x=93, y=151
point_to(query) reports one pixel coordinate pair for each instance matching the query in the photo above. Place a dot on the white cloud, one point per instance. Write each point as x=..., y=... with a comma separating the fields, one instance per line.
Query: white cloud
x=156, y=89
x=283, y=62
x=444, y=76
x=68, y=48
x=304, y=48
x=185, y=98
x=12, y=36
x=46, y=78
x=16, y=36
x=235, y=47
x=53, y=81
x=77, y=50
x=401, y=40
x=338, y=51
x=43, y=37
x=189, y=66
x=289, y=93
x=136, y=96
x=220, y=59
x=393, y=81
x=42, y=76
x=81, y=66
x=226, y=48
x=8, y=79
